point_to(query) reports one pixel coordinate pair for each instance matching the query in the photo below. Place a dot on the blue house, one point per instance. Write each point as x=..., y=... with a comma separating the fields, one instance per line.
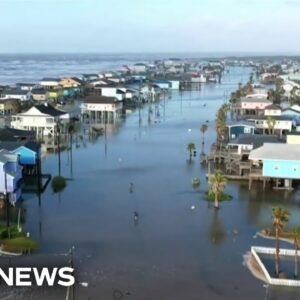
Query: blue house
x=10, y=175
x=235, y=128
x=28, y=152
x=278, y=161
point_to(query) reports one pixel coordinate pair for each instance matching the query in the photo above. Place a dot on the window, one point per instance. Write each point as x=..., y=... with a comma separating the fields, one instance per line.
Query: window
x=49, y=120
x=247, y=130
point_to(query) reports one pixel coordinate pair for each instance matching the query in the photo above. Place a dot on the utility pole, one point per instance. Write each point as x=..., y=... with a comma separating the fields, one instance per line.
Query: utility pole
x=7, y=206
x=58, y=146
x=139, y=102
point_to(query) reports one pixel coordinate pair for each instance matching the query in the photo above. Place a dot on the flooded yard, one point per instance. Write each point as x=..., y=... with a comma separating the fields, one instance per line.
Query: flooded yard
x=173, y=252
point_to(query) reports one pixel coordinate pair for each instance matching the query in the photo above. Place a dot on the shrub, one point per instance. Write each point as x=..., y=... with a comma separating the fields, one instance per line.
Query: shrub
x=58, y=184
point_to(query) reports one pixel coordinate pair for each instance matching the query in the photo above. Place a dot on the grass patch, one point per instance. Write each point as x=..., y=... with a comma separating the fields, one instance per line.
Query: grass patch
x=18, y=241
x=58, y=184
x=19, y=244
x=210, y=196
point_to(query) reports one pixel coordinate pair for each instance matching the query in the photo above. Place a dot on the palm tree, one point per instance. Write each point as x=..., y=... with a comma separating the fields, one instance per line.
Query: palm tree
x=221, y=121
x=203, y=129
x=280, y=218
x=296, y=236
x=217, y=183
x=191, y=147
x=271, y=124
x=293, y=97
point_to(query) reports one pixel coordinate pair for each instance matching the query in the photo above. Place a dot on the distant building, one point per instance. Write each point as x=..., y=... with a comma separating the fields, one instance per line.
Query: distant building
x=50, y=82
x=22, y=95
x=26, y=86
x=9, y=107
x=39, y=95
x=162, y=84
x=138, y=68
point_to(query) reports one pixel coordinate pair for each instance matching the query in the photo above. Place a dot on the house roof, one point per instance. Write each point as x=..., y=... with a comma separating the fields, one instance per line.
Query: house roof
x=276, y=152
x=240, y=123
x=15, y=92
x=273, y=107
x=278, y=118
x=257, y=140
x=291, y=109
x=120, y=91
x=33, y=146
x=254, y=100
x=161, y=81
x=90, y=75
x=9, y=99
x=47, y=109
x=10, y=145
x=6, y=156
x=13, y=145
x=11, y=134
x=38, y=92
x=25, y=84
x=100, y=99
x=78, y=80
x=51, y=79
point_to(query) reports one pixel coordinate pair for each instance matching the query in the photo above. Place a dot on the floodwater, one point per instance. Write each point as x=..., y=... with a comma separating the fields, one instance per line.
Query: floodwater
x=173, y=252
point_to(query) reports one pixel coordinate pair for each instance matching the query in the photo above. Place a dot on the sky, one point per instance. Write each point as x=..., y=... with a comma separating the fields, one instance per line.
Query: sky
x=118, y=26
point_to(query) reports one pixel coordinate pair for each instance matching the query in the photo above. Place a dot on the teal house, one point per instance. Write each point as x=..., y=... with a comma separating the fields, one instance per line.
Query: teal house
x=236, y=128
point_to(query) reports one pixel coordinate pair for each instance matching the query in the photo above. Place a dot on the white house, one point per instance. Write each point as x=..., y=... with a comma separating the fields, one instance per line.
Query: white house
x=162, y=84
x=22, y=95
x=26, y=86
x=102, y=109
x=41, y=118
x=96, y=82
x=130, y=93
x=112, y=91
x=282, y=124
x=174, y=84
x=288, y=87
x=150, y=91
x=247, y=142
x=198, y=78
x=138, y=68
x=272, y=110
x=251, y=105
x=50, y=82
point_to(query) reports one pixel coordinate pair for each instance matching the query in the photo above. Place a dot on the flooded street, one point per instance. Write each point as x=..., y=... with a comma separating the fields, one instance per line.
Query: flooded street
x=172, y=252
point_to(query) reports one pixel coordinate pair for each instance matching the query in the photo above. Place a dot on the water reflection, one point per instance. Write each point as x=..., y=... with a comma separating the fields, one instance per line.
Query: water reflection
x=217, y=231
x=97, y=208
